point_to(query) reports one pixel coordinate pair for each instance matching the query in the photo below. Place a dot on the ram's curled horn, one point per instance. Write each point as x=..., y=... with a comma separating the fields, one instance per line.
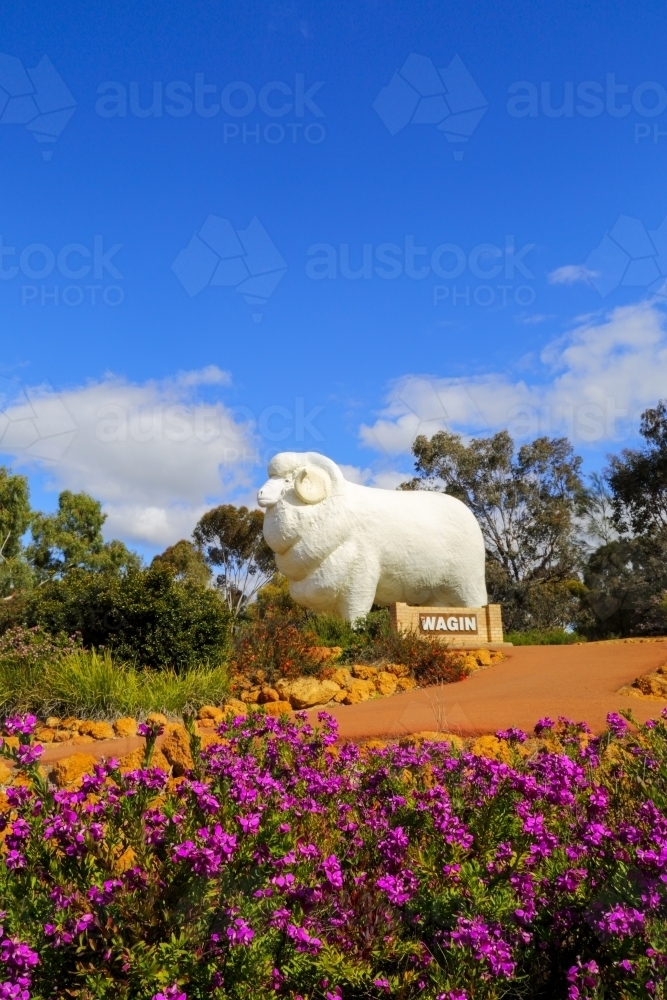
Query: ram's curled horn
x=311, y=485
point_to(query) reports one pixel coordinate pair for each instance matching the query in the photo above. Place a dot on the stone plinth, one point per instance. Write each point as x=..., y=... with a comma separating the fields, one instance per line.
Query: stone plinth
x=460, y=628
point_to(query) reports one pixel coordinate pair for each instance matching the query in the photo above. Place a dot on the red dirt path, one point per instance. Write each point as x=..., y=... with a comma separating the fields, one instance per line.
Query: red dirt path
x=578, y=681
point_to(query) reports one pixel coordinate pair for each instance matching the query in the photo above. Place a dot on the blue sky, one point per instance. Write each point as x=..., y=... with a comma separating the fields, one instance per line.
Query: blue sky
x=188, y=193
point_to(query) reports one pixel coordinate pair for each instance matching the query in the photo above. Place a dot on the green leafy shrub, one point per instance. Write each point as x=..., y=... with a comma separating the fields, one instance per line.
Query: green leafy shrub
x=544, y=637
x=144, y=616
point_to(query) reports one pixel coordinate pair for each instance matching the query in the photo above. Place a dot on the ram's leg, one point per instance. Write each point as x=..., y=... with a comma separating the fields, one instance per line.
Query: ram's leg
x=357, y=600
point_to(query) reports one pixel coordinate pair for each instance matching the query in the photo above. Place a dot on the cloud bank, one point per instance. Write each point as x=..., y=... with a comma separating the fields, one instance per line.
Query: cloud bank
x=591, y=385
x=154, y=454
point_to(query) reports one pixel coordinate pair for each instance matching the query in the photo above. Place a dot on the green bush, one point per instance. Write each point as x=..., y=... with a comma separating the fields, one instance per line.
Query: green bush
x=145, y=616
x=544, y=637
x=86, y=684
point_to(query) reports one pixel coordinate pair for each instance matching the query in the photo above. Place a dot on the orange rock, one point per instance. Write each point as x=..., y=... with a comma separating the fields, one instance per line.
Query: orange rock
x=52, y=722
x=211, y=713
x=385, y=683
x=415, y=739
x=98, y=730
x=483, y=657
x=127, y=726
x=78, y=740
x=72, y=769
x=342, y=677
x=63, y=735
x=406, y=683
x=176, y=748
x=204, y=724
x=234, y=706
x=397, y=669
x=5, y=773
x=268, y=694
x=207, y=738
x=360, y=690
x=135, y=760
x=45, y=734
x=491, y=746
x=374, y=745
x=277, y=708
x=363, y=672
x=157, y=718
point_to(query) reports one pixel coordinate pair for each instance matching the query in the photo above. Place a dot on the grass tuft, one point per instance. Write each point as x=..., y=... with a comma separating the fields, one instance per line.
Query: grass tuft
x=85, y=683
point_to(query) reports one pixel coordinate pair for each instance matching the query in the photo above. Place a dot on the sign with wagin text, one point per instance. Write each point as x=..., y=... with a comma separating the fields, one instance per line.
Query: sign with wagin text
x=458, y=628
x=454, y=624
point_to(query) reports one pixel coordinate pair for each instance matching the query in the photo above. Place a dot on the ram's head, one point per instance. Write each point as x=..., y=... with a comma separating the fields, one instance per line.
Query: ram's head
x=302, y=478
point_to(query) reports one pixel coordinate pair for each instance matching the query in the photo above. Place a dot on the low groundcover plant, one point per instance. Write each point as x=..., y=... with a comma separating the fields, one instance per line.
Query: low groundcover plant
x=287, y=865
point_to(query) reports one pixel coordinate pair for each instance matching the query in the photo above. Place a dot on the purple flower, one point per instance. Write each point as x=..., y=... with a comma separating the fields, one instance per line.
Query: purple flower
x=171, y=993
x=543, y=724
x=103, y=896
x=512, y=734
x=302, y=939
x=398, y=888
x=239, y=932
x=621, y=921
x=150, y=729
x=486, y=944
x=616, y=724
x=332, y=870
x=382, y=984
x=27, y=755
x=20, y=724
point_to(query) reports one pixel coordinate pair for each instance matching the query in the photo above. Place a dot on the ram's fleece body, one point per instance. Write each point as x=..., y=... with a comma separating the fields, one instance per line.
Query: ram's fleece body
x=344, y=547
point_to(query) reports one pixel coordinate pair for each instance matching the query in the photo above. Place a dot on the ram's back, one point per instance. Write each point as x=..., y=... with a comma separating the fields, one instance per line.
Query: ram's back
x=420, y=538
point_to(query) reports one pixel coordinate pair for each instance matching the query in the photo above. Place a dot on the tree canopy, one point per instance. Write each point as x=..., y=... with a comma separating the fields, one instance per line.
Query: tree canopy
x=638, y=477
x=232, y=539
x=526, y=501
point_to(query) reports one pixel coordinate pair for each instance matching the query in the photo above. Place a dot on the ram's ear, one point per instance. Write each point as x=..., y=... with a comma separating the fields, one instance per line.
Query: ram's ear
x=311, y=484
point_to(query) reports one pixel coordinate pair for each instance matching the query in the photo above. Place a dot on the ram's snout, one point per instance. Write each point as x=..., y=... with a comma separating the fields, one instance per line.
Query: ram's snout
x=271, y=492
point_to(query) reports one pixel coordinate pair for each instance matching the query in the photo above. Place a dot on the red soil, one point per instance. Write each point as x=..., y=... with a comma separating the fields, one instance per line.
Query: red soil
x=579, y=681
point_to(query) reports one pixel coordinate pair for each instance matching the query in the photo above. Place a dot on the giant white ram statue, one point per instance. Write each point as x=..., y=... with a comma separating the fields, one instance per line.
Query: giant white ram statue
x=344, y=547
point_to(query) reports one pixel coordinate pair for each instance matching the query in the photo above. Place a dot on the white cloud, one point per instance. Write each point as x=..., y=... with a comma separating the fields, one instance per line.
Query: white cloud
x=595, y=382
x=387, y=479
x=570, y=274
x=154, y=456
